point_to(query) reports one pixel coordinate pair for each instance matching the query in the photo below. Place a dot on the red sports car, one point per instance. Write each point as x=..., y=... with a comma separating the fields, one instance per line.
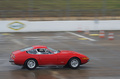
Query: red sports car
x=39, y=55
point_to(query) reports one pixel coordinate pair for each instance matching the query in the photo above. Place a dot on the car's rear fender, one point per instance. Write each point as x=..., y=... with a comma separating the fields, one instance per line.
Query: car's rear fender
x=20, y=59
x=32, y=59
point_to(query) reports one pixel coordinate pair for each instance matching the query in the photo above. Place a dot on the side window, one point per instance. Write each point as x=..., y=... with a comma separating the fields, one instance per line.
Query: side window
x=48, y=52
x=44, y=51
x=41, y=50
x=32, y=51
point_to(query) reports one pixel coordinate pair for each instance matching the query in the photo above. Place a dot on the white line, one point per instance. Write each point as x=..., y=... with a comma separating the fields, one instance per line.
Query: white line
x=32, y=37
x=81, y=36
x=18, y=42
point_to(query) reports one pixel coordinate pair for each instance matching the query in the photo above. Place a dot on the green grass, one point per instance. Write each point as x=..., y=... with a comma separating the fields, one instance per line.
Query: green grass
x=57, y=4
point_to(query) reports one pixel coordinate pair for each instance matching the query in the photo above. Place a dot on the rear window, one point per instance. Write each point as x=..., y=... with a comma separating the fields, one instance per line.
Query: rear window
x=32, y=51
x=25, y=49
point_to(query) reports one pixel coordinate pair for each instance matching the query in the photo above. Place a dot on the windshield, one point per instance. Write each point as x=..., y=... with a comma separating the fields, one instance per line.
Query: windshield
x=53, y=50
x=25, y=49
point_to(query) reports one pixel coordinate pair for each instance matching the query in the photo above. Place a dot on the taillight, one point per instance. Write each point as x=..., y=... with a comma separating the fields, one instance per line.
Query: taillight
x=12, y=56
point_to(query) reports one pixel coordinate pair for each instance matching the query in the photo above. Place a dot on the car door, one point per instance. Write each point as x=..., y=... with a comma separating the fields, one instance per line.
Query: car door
x=47, y=57
x=62, y=58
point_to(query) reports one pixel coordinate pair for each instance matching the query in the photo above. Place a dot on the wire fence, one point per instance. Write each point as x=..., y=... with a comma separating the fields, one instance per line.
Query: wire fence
x=59, y=9
x=80, y=14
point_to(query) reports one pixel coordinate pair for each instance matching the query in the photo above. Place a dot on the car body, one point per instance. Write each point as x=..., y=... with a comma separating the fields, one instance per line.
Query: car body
x=40, y=55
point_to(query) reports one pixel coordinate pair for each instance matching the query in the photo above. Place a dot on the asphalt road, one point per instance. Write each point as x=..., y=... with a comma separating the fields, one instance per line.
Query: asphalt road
x=104, y=55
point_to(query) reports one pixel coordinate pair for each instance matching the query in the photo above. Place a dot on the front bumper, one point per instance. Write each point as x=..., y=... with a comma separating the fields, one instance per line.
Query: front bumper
x=85, y=60
x=88, y=60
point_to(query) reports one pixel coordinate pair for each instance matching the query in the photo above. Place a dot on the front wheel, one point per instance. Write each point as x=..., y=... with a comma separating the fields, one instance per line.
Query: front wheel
x=74, y=63
x=30, y=64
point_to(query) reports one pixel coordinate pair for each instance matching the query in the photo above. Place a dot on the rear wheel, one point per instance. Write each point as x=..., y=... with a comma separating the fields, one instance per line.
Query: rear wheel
x=74, y=63
x=31, y=64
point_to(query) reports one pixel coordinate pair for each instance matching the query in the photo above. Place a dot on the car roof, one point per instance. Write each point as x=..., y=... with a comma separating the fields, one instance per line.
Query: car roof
x=39, y=46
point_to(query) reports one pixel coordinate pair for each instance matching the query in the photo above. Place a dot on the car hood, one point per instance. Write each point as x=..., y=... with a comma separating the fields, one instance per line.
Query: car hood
x=71, y=52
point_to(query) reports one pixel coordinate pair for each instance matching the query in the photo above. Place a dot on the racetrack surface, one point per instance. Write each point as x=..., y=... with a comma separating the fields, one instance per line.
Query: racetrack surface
x=104, y=55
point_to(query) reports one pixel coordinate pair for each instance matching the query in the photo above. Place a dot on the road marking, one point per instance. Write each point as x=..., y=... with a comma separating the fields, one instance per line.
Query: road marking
x=5, y=34
x=82, y=39
x=81, y=36
x=18, y=42
x=93, y=34
x=32, y=37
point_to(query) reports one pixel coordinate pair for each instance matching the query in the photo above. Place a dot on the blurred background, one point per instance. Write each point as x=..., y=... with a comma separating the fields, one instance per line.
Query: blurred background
x=59, y=9
x=94, y=30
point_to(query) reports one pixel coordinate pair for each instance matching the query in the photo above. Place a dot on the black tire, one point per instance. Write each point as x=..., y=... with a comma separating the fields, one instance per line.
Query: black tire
x=74, y=63
x=30, y=64
x=66, y=66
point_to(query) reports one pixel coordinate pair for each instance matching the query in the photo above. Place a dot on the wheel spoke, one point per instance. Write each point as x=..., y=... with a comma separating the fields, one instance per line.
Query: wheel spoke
x=74, y=63
x=31, y=64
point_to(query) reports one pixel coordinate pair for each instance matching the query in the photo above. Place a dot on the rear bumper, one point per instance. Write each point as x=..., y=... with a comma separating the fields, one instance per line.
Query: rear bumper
x=11, y=61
